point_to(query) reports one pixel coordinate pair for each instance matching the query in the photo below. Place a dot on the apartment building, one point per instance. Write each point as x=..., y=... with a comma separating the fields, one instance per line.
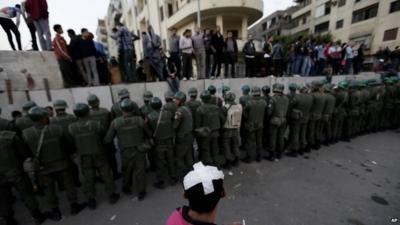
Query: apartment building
x=372, y=22
x=101, y=33
x=163, y=15
x=276, y=24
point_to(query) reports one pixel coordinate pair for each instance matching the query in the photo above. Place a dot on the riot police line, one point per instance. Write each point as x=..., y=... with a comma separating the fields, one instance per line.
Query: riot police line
x=38, y=154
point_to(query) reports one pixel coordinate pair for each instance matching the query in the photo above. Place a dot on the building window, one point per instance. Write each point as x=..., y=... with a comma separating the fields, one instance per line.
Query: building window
x=162, y=13
x=394, y=6
x=323, y=10
x=264, y=26
x=322, y=27
x=341, y=3
x=365, y=13
x=339, y=24
x=390, y=35
x=304, y=20
x=170, y=10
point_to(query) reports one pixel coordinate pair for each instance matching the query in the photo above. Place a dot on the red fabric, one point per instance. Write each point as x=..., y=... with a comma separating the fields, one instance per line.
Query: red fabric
x=60, y=47
x=37, y=9
x=176, y=219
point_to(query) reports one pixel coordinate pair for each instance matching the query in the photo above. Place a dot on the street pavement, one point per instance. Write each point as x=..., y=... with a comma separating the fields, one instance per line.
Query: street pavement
x=356, y=183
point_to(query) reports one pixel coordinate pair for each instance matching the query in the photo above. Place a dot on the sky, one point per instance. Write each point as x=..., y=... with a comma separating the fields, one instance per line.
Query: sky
x=77, y=14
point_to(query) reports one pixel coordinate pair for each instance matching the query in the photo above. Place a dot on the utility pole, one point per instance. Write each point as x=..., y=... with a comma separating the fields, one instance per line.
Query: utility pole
x=198, y=14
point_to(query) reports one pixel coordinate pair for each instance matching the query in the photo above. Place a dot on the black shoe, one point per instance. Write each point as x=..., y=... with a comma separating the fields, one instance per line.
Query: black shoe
x=227, y=166
x=38, y=217
x=127, y=191
x=117, y=176
x=292, y=154
x=141, y=195
x=246, y=160
x=92, y=204
x=258, y=158
x=113, y=198
x=54, y=214
x=159, y=185
x=76, y=208
x=235, y=163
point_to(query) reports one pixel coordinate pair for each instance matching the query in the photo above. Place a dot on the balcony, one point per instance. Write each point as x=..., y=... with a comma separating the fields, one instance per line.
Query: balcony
x=253, y=9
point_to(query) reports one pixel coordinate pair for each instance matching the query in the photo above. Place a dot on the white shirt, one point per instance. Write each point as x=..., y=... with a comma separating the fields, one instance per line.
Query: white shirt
x=186, y=45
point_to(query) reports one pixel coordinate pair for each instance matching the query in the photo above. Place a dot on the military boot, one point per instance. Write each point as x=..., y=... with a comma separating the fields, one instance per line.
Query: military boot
x=92, y=204
x=54, y=214
x=113, y=198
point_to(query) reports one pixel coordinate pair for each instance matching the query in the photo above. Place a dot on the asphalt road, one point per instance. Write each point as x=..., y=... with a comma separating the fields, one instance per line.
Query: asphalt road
x=356, y=183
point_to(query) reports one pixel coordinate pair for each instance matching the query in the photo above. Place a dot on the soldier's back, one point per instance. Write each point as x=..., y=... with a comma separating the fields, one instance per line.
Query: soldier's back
x=24, y=122
x=319, y=103
x=102, y=115
x=304, y=104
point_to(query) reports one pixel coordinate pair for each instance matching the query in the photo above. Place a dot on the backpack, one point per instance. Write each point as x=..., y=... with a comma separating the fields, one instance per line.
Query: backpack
x=234, y=116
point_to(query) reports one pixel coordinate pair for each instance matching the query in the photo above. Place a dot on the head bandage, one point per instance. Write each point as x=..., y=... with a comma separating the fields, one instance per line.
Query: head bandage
x=204, y=175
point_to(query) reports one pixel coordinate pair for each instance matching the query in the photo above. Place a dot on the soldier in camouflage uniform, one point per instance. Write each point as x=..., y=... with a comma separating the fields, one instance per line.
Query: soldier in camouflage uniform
x=253, y=116
x=389, y=103
x=243, y=101
x=327, y=114
x=25, y=122
x=353, y=110
x=160, y=123
x=64, y=119
x=47, y=143
x=339, y=115
x=146, y=108
x=305, y=102
x=314, y=128
x=230, y=132
x=396, y=114
x=103, y=116
x=88, y=135
x=266, y=90
x=208, y=121
x=364, y=97
x=277, y=110
x=12, y=153
x=116, y=108
x=183, y=126
x=130, y=131
x=295, y=116
x=193, y=103
x=214, y=99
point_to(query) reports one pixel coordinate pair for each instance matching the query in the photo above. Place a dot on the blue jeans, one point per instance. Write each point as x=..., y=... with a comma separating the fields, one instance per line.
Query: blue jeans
x=297, y=62
x=349, y=66
x=306, y=68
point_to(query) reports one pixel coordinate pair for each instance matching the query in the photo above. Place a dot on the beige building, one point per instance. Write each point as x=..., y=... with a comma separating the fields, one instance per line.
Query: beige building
x=230, y=15
x=372, y=22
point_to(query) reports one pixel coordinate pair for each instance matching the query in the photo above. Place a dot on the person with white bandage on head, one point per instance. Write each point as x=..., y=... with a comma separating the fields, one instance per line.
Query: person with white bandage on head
x=204, y=187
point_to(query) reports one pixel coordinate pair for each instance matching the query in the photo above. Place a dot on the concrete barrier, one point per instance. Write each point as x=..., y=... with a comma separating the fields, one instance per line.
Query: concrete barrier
x=109, y=94
x=40, y=65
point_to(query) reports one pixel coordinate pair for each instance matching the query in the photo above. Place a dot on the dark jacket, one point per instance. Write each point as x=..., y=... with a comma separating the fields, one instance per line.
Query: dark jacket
x=218, y=42
x=87, y=48
x=74, y=48
x=249, y=50
x=235, y=45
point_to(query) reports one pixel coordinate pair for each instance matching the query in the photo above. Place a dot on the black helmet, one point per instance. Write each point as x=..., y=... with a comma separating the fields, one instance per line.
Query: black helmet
x=147, y=96
x=81, y=110
x=28, y=105
x=180, y=96
x=205, y=96
x=212, y=89
x=156, y=103
x=37, y=113
x=255, y=91
x=169, y=95
x=246, y=89
x=60, y=105
x=93, y=100
x=123, y=93
x=266, y=89
x=293, y=87
x=128, y=106
x=193, y=92
x=278, y=88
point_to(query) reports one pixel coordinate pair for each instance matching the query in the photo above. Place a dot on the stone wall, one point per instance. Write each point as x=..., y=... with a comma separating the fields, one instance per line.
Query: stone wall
x=108, y=94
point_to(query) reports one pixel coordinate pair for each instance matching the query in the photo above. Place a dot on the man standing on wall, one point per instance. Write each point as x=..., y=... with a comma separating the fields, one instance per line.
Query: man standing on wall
x=217, y=45
x=199, y=53
x=37, y=10
x=174, y=52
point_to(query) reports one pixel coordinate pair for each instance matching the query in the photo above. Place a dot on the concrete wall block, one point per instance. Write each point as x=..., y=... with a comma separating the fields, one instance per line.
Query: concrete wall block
x=103, y=93
x=136, y=92
x=158, y=89
x=39, y=64
x=19, y=98
x=185, y=85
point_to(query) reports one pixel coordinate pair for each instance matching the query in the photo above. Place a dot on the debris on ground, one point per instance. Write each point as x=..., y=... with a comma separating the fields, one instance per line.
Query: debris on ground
x=113, y=217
